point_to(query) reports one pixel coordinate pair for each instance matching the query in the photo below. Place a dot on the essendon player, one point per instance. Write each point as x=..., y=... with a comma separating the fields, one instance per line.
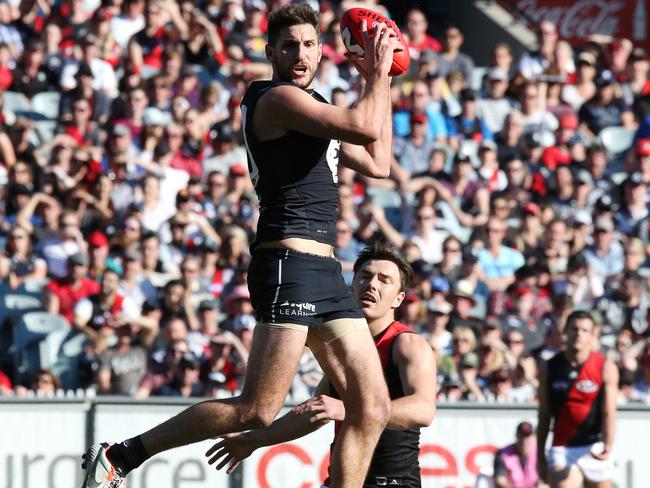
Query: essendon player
x=577, y=391
x=409, y=369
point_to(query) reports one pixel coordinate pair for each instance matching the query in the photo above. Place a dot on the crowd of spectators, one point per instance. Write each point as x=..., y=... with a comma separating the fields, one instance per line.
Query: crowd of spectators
x=135, y=211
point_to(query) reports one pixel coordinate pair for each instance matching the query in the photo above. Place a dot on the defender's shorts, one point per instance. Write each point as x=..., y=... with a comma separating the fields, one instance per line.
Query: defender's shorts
x=563, y=457
x=291, y=287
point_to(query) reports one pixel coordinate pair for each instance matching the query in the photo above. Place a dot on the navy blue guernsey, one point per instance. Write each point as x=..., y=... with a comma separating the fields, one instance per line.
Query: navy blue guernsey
x=295, y=177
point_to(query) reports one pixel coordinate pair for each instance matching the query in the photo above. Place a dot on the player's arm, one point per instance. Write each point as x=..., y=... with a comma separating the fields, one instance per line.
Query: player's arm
x=291, y=108
x=543, y=422
x=610, y=384
x=417, y=369
x=303, y=419
x=374, y=159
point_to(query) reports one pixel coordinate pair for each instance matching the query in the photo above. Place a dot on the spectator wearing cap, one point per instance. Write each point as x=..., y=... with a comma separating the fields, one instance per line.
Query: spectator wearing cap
x=451, y=58
x=413, y=310
x=461, y=298
x=418, y=39
x=584, y=88
x=412, y=152
x=536, y=118
x=605, y=109
x=31, y=76
x=421, y=102
x=495, y=106
x=243, y=326
x=469, y=124
x=498, y=263
x=642, y=158
x=516, y=464
x=62, y=294
x=101, y=102
x=434, y=330
x=605, y=255
x=634, y=205
x=225, y=150
x=99, y=259
x=103, y=74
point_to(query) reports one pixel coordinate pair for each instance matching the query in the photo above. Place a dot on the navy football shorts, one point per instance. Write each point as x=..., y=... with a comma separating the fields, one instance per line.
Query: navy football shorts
x=291, y=287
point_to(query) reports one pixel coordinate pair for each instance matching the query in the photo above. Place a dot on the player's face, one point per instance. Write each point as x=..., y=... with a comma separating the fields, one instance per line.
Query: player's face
x=376, y=288
x=295, y=55
x=580, y=334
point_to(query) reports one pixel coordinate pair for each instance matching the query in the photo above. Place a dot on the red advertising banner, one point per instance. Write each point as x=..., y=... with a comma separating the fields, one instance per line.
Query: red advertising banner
x=576, y=20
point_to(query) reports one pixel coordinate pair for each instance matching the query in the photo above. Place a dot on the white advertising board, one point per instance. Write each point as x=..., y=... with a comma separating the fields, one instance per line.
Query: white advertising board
x=185, y=467
x=454, y=450
x=41, y=445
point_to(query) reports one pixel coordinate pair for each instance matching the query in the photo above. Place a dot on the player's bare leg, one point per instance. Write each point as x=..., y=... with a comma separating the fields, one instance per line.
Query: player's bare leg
x=352, y=364
x=271, y=367
x=570, y=477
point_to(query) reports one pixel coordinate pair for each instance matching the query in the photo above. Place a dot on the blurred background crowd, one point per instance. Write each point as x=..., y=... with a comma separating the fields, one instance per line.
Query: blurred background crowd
x=519, y=192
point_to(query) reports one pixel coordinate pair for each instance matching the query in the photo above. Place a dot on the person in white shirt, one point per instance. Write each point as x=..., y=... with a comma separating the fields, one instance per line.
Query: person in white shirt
x=103, y=74
x=128, y=23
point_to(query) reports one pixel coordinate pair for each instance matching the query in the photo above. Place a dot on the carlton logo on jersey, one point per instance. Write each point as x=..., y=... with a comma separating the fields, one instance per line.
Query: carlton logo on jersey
x=586, y=386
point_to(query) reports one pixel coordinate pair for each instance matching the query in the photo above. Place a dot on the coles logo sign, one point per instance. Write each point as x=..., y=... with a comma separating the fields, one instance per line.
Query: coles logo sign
x=577, y=20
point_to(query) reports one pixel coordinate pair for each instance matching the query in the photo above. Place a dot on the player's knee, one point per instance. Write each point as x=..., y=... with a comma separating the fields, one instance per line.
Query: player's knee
x=255, y=416
x=372, y=409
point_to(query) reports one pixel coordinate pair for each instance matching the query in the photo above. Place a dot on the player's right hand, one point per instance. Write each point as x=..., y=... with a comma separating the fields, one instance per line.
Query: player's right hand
x=378, y=49
x=231, y=449
x=321, y=409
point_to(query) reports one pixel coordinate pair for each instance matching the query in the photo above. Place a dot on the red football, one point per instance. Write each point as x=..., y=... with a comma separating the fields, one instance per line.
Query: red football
x=353, y=39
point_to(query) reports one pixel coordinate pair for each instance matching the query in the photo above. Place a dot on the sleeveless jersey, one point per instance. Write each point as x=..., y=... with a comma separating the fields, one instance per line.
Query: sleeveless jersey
x=397, y=451
x=295, y=177
x=575, y=400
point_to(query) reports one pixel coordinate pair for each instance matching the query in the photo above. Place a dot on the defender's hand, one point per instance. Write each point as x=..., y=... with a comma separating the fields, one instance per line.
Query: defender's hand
x=231, y=449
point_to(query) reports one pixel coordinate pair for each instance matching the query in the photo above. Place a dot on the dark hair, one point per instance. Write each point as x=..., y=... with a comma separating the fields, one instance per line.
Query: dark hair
x=382, y=251
x=579, y=315
x=291, y=15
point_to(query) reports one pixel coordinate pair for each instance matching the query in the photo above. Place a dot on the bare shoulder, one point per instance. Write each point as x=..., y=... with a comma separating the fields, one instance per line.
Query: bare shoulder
x=610, y=372
x=412, y=347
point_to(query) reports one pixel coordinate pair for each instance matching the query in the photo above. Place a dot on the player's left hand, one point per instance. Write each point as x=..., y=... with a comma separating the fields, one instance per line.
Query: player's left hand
x=604, y=454
x=231, y=449
x=322, y=409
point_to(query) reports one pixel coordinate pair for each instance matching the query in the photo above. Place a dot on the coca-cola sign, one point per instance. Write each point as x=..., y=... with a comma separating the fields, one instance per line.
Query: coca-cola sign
x=577, y=20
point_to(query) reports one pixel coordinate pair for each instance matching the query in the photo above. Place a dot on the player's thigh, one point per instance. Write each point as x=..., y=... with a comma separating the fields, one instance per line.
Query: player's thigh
x=272, y=363
x=598, y=484
x=567, y=477
x=350, y=361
